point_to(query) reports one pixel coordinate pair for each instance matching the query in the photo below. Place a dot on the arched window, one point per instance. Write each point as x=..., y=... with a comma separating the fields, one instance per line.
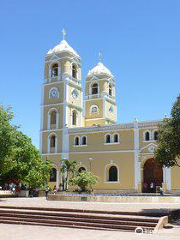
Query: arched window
x=113, y=174
x=84, y=140
x=53, y=141
x=94, y=89
x=147, y=136
x=116, y=138
x=74, y=118
x=81, y=169
x=74, y=71
x=54, y=70
x=155, y=135
x=53, y=175
x=76, y=141
x=110, y=89
x=53, y=115
x=108, y=138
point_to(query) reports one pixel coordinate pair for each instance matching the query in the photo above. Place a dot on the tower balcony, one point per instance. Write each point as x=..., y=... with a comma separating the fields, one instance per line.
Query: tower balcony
x=100, y=95
x=63, y=77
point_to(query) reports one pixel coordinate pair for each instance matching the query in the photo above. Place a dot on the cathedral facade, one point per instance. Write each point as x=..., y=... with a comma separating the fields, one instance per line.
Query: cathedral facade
x=81, y=125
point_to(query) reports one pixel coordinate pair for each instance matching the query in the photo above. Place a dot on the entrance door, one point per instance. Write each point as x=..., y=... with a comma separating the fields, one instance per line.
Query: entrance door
x=153, y=176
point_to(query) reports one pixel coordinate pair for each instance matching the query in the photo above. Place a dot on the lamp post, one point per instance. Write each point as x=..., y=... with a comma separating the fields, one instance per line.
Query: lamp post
x=90, y=162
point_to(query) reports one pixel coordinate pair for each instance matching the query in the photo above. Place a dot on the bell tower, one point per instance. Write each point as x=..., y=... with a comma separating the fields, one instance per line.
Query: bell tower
x=62, y=103
x=100, y=105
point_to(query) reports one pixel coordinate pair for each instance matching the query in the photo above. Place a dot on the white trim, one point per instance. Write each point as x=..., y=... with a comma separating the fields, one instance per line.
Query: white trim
x=77, y=120
x=91, y=107
x=50, y=69
x=49, y=146
x=90, y=88
x=51, y=130
x=147, y=146
x=94, y=152
x=86, y=140
x=107, y=177
x=105, y=138
x=53, y=104
x=113, y=143
x=104, y=108
x=144, y=135
x=137, y=164
x=81, y=165
x=153, y=136
x=49, y=118
x=75, y=141
x=167, y=177
x=53, y=88
x=93, y=119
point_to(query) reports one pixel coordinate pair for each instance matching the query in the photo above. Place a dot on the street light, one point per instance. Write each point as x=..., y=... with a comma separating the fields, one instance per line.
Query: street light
x=90, y=162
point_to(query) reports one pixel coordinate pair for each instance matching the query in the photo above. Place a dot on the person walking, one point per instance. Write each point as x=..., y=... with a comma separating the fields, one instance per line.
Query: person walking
x=161, y=191
x=152, y=187
x=54, y=190
x=47, y=192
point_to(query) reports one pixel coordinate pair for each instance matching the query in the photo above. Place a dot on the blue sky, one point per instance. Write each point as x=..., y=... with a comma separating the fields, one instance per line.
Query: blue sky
x=139, y=40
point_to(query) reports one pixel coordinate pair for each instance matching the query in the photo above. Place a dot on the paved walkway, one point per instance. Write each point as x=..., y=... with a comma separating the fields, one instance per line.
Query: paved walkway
x=129, y=207
x=17, y=232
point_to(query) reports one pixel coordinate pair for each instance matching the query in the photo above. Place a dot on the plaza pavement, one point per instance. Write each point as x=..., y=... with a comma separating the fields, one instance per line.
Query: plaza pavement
x=22, y=232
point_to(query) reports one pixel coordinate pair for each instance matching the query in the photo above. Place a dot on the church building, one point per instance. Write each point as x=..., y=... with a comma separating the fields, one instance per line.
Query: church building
x=81, y=125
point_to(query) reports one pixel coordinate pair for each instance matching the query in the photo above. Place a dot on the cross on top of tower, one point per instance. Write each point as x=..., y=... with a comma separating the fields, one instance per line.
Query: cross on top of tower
x=100, y=56
x=63, y=33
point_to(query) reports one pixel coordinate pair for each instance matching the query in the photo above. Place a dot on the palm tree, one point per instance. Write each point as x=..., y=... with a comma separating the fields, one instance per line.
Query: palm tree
x=67, y=168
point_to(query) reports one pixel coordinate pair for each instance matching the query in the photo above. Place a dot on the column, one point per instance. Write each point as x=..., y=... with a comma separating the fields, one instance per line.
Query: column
x=57, y=178
x=49, y=119
x=137, y=170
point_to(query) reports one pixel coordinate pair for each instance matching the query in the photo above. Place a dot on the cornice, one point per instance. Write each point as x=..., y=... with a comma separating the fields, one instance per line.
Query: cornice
x=115, y=127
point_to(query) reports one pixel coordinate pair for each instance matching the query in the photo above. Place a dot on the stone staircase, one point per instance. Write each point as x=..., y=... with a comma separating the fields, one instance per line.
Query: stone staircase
x=56, y=217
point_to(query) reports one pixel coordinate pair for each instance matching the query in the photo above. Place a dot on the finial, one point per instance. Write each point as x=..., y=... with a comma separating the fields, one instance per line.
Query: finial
x=63, y=33
x=100, y=56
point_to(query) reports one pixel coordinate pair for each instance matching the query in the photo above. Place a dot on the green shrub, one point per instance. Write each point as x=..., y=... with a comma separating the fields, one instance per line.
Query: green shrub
x=84, y=181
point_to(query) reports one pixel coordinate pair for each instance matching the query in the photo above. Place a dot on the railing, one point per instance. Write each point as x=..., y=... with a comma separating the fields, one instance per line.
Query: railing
x=106, y=95
x=63, y=77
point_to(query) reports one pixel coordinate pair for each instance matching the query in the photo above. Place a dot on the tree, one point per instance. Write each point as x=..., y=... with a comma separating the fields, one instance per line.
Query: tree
x=21, y=160
x=168, y=151
x=67, y=168
x=85, y=180
x=7, y=140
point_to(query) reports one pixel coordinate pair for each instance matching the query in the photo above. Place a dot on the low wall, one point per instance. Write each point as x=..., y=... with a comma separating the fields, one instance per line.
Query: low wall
x=120, y=199
x=7, y=194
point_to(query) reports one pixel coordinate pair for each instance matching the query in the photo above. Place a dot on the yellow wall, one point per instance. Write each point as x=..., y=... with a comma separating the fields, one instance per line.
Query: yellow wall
x=124, y=161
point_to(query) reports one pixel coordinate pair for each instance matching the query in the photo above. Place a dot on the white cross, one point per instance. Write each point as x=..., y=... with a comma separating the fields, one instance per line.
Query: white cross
x=100, y=56
x=63, y=33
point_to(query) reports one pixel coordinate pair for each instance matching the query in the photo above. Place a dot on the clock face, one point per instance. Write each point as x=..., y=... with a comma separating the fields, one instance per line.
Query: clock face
x=75, y=94
x=53, y=93
x=111, y=109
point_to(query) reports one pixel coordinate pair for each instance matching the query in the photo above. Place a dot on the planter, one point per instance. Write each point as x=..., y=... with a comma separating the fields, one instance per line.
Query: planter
x=24, y=193
x=42, y=193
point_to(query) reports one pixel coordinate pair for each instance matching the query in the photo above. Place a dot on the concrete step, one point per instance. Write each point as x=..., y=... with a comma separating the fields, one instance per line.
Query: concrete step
x=70, y=219
x=74, y=210
x=58, y=217
x=71, y=224
x=81, y=215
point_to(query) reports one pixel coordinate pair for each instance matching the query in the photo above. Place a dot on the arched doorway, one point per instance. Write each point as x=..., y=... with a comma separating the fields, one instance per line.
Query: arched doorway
x=152, y=175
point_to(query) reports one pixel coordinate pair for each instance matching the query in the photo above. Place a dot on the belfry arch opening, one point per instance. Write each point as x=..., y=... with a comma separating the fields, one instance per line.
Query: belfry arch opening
x=152, y=176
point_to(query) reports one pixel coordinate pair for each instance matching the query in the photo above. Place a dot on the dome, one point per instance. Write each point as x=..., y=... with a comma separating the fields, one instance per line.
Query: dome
x=99, y=69
x=63, y=47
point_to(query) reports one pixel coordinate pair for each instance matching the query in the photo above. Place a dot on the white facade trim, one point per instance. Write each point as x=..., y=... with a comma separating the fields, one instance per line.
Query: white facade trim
x=137, y=164
x=105, y=172
x=167, y=177
x=95, y=152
